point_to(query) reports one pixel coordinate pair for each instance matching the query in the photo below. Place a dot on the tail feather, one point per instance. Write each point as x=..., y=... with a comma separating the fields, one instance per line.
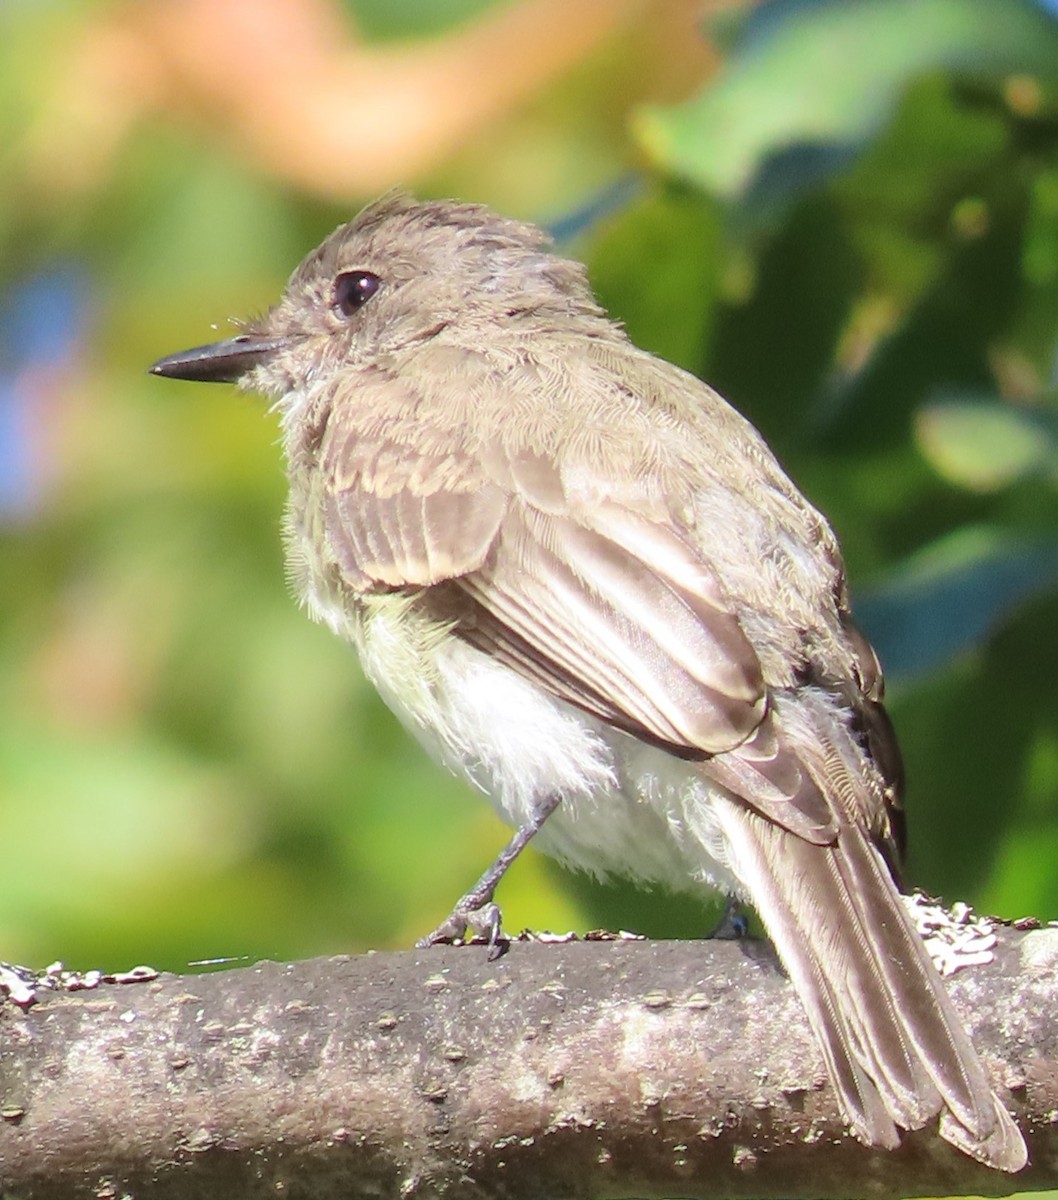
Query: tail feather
x=894, y=1046
x=869, y=1113
x=934, y=1039
x=880, y=1044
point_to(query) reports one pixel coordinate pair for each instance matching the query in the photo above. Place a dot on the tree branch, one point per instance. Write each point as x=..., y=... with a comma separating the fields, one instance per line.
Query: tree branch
x=581, y=1069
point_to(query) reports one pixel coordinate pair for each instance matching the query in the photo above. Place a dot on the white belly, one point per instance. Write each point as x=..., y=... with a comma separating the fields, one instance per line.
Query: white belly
x=627, y=809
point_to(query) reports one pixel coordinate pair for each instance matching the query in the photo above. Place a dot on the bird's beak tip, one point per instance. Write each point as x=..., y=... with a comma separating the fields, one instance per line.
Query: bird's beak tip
x=225, y=361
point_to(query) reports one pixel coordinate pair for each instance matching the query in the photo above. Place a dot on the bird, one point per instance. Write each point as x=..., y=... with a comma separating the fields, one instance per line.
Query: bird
x=585, y=584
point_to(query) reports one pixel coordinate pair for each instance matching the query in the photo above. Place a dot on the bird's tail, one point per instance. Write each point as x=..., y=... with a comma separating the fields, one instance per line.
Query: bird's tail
x=894, y=1046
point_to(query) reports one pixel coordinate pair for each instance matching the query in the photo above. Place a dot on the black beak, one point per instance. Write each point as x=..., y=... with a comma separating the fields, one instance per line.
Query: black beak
x=221, y=362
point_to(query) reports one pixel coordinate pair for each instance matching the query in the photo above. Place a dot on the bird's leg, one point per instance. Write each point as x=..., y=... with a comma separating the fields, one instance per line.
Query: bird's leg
x=733, y=924
x=475, y=910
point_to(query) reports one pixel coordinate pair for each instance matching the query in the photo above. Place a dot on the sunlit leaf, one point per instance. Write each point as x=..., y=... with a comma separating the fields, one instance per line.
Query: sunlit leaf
x=826, y=75
x=984, y=446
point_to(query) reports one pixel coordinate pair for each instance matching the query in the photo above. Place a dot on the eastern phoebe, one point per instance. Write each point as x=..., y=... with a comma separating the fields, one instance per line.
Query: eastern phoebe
x=584, y=583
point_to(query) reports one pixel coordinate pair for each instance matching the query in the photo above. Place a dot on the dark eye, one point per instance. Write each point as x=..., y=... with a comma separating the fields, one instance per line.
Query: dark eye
x=352, y=289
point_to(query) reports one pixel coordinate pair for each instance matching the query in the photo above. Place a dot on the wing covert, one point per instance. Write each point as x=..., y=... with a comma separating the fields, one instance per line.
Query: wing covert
x=397, y=516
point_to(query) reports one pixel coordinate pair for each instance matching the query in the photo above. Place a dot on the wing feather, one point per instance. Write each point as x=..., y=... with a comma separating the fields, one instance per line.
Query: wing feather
x=603, y=599
x=419, y=521
x=672, y=665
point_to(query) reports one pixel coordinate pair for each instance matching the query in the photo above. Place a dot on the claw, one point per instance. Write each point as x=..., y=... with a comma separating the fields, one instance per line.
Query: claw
x=448, y=931
x=476, y=910
x=483, y=920
x=492, y=920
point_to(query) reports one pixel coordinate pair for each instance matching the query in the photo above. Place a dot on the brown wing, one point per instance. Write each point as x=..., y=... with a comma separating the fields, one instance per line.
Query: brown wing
x=644, y=639
x=396, y=515
x=605, y=604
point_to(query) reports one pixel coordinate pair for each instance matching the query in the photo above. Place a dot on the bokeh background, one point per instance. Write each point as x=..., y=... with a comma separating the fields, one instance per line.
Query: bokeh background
x=843, y=213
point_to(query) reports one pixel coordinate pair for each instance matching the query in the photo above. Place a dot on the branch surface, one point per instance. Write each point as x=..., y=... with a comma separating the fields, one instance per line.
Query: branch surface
x=585, y=1069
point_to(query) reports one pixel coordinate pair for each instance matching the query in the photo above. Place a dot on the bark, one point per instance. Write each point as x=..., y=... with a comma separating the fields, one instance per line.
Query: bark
x=584, y=1069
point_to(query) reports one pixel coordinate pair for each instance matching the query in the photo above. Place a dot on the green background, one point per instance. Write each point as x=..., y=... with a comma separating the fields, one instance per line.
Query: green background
x=844, y=215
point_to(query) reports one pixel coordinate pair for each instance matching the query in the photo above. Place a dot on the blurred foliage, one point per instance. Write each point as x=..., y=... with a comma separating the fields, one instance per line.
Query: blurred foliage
x=843, y=213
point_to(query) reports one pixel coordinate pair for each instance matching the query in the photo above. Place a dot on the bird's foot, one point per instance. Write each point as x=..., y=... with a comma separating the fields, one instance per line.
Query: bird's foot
x=733, y=924
x=480, y=917
x=476, y=910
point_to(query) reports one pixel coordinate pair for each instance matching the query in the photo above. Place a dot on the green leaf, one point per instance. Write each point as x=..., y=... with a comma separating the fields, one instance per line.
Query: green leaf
x=827, y=75
x=655, y=268
x=984, y=446
x=946, y=599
